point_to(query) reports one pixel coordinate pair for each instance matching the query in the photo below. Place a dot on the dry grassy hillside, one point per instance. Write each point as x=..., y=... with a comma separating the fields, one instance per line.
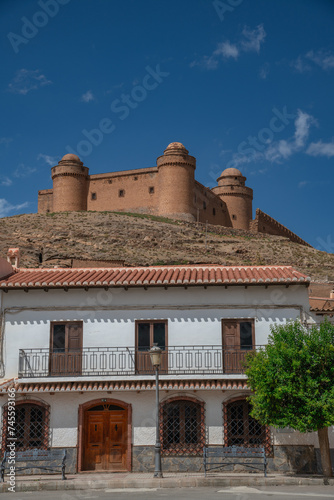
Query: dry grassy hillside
x=55, y=239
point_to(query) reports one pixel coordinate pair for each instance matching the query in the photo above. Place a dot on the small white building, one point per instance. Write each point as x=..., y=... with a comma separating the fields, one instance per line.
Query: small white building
x=74, y=347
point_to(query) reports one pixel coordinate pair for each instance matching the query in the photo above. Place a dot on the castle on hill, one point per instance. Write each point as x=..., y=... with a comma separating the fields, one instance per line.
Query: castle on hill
x=168, y=190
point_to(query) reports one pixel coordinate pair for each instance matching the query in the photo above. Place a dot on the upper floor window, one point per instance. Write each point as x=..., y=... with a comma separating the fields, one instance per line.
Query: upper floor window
x=94, y=196
x=151, y=189
x=121, y=193
x=183, y=430
x=238, y=339
x=148, y=333
x=66, y=348
x=31, y=426
x=234, y=217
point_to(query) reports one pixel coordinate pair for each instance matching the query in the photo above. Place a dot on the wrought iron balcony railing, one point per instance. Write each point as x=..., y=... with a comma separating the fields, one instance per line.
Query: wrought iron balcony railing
x=129, y=361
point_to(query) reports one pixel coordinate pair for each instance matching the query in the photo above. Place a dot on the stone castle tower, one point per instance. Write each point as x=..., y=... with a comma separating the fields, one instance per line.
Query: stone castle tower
x=238, y=197
x=176, y=185
x=169, y=189
x=70, y=185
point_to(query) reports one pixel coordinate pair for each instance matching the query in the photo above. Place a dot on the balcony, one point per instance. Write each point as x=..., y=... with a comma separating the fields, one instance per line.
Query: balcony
x=128, y=361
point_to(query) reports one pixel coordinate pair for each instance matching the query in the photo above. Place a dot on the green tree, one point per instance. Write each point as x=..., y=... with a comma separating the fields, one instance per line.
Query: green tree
x=292, y=379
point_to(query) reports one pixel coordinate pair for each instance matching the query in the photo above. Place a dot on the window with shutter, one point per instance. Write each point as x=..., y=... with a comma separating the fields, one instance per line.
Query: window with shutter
x=66, y=348
x=238, y=339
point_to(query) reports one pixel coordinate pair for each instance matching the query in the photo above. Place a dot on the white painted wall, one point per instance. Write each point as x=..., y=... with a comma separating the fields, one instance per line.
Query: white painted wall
x=194, y=314
x=64, y=416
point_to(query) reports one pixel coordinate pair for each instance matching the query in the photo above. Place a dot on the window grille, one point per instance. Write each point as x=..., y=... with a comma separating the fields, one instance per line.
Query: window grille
x=31, y=427
x=182, y=427
x=240, y=429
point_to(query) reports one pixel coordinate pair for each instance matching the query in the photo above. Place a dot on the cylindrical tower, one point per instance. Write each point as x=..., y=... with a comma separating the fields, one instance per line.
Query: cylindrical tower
x=238, y=197
x=176, y=183
x=70, y=184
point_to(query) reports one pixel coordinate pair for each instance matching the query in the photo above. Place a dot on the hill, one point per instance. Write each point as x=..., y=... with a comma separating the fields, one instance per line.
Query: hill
x=57, y=238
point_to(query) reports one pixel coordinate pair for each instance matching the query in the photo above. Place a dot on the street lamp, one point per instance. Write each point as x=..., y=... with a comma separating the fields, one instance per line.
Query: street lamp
x=155, y=354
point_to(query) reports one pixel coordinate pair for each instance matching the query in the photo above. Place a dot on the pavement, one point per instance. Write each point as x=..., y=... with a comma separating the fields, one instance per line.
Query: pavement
x=100, y=481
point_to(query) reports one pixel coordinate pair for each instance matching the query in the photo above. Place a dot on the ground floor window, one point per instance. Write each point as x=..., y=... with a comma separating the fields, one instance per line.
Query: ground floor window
x=31, y=426
x=182, y=427
x=240, y=429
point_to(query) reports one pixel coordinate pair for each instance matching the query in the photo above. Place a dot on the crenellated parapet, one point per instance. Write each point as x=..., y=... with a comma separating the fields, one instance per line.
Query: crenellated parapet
x=263, y=223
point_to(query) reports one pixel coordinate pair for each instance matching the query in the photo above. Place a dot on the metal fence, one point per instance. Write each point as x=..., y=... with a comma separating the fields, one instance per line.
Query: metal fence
x=126, y=361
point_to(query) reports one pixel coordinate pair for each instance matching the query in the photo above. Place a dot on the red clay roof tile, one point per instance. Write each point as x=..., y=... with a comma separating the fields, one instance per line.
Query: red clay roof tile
x=152, y=276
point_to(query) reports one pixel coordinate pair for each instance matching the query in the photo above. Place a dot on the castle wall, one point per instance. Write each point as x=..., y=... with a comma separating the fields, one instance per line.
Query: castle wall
x=130, y=191
x=210, y=207
x=45, y=201
x=263, y=223
x=168, y=189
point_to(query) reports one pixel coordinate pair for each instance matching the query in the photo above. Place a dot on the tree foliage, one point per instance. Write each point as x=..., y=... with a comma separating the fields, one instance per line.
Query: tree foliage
x=292, y=378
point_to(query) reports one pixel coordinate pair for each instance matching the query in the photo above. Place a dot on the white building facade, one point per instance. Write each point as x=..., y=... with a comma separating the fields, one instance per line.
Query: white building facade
x=74, y=346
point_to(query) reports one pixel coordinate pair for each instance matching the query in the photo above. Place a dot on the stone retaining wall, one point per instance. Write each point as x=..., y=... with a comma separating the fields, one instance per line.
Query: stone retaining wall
x=298, y=459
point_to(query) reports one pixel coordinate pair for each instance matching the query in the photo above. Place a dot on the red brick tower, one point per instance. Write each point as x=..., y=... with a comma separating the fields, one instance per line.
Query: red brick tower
x=70, y=184
x=176, y=183
x=238, y=197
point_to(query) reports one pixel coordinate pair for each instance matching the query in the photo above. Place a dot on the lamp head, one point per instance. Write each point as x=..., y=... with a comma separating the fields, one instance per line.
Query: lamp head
x=155, y=354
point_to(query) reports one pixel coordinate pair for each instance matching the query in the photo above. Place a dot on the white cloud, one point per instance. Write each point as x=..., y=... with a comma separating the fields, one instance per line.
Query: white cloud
x=27, y=80
x=253, y=38
x=87, y=96
x=249, y=41
x=283, y=149
x=5, y=181
x=6, y=208
x=302, y=184
x=303, y=123
x=227, y=49
x=5, y=140
x=321, y=148
x=264, y=71
x=279, y=151
x=300, y=65
x=23, y=171
x=323, y=59
x=50, y=160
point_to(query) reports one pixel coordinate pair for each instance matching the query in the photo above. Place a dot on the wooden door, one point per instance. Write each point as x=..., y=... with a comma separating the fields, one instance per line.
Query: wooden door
x=238, y=339
x=94, y=446
x=231, y=346
x=66, y=348
x=105, y=439
x=116, y=442
x=147, y=334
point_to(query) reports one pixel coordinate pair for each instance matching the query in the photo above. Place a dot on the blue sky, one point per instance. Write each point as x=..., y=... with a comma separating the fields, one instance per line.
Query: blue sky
x=240, y=83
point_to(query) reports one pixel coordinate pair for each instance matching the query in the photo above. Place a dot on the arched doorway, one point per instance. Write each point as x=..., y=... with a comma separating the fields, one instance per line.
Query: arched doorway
x=105, y=436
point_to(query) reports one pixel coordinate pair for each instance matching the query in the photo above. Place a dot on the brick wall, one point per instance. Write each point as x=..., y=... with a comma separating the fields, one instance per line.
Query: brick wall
x=263, y=223
x=129, y=191
x=209, y=207
x=45, y=198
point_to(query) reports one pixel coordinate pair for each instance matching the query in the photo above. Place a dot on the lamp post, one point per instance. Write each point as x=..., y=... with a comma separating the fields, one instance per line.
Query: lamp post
x=155, y=354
